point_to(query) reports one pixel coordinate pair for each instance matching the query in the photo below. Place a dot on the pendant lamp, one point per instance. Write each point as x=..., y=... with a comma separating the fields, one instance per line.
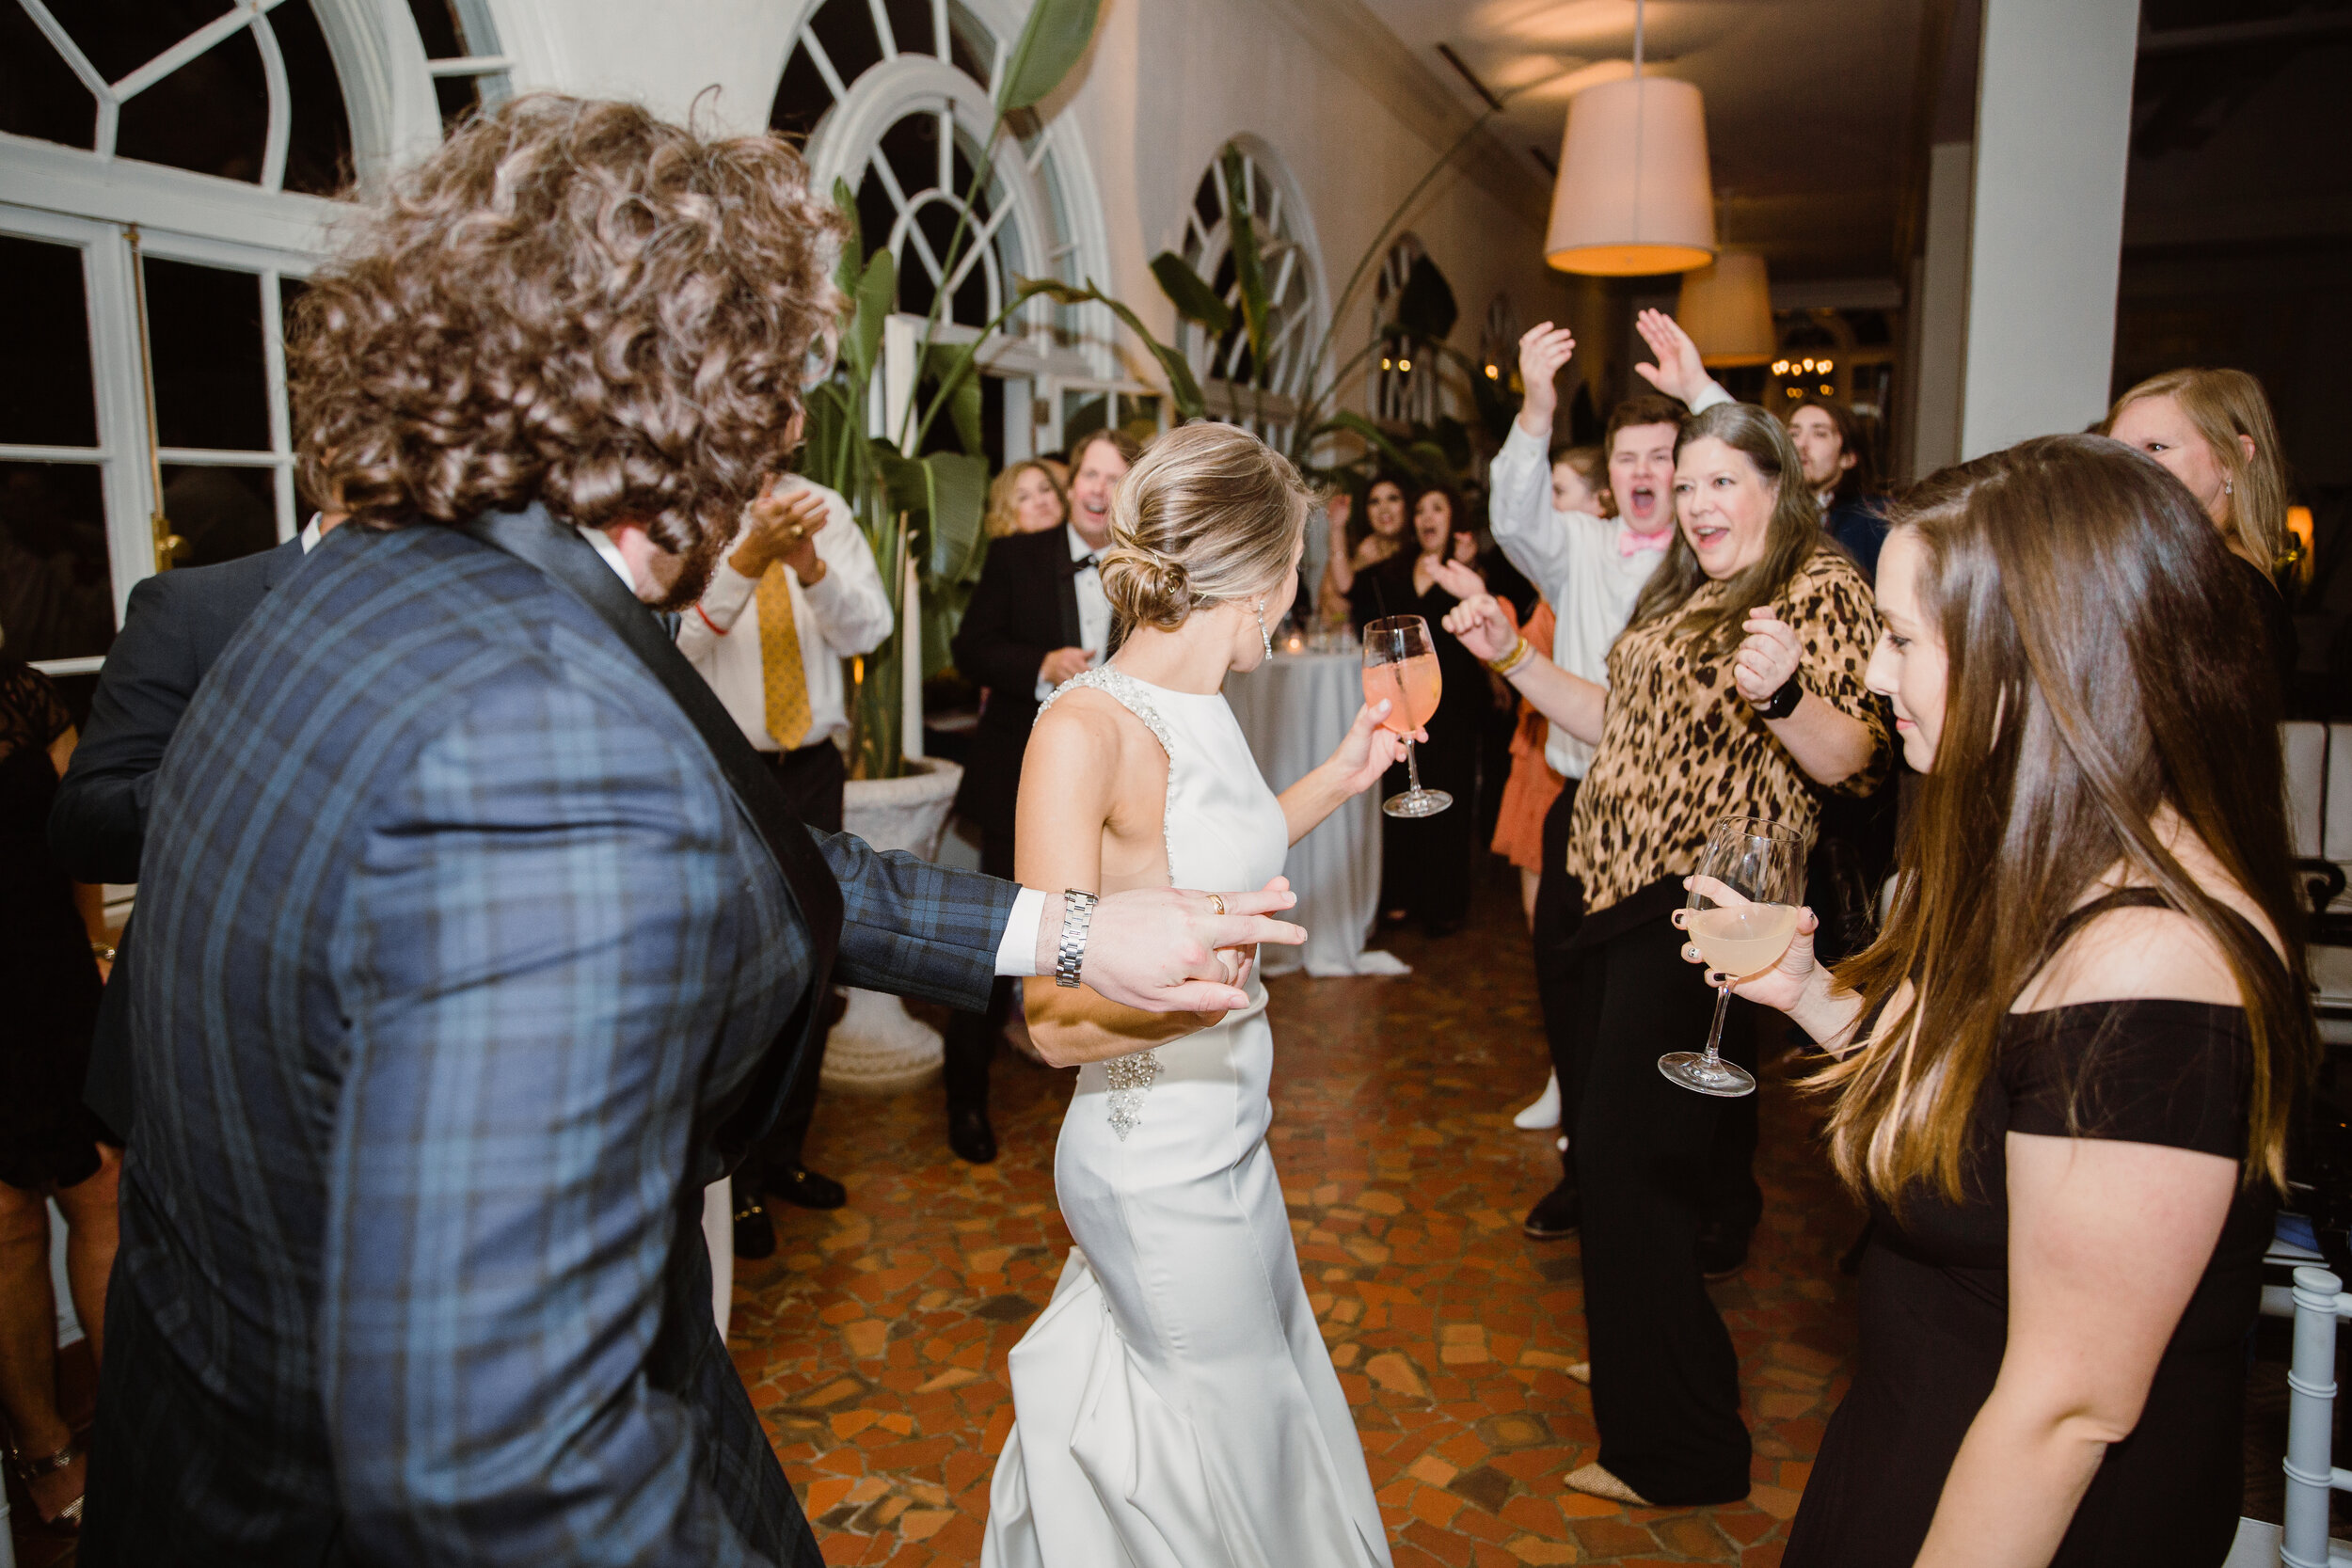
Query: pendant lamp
x=1727, y=308
x=1633, y=194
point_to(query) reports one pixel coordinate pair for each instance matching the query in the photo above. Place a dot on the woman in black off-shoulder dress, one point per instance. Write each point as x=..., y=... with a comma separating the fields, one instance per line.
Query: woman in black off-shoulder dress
x=2062, y=1075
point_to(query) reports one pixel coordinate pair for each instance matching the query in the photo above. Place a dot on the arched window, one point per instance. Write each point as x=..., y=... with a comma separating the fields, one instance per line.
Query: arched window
x=1410, y=293
x=166, y=168
x=895, y=99
x=1246, y=170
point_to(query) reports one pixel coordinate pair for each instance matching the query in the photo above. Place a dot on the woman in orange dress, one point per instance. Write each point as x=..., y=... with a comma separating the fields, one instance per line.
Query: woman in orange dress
x=1533, y=785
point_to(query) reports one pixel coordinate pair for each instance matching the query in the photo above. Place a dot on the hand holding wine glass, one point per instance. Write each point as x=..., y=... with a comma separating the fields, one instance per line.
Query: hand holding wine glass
x=1743, y=917
x=1780, y=986
x=1400, y=665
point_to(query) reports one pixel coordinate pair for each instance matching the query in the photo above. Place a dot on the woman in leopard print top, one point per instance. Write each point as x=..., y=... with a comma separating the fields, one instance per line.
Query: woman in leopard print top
x=1736, y=689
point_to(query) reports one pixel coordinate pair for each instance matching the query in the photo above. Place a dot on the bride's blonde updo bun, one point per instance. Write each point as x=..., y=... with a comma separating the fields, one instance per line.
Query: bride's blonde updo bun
x=1208, y=515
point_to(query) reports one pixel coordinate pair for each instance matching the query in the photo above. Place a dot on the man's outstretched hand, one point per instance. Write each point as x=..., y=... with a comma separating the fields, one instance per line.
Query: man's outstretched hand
x=1159, y=949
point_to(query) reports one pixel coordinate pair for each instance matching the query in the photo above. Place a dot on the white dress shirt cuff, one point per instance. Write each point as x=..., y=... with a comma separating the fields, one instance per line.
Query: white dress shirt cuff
x=1710, y=395
x=722, y=602
x=1016, y=954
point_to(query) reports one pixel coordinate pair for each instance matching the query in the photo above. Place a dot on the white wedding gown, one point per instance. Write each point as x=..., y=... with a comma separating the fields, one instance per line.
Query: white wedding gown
x=1174, y=1406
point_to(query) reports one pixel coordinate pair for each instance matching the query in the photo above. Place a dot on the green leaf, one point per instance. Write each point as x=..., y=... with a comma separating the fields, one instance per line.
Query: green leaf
x=959, y=502
x=1378, y=439
x=877, y=295
x=1193, y=298
x=1056, y=35
x=845, y=276
x=956, y=374
x=1182, y=388
x=1424, y=306
x=1241, y=231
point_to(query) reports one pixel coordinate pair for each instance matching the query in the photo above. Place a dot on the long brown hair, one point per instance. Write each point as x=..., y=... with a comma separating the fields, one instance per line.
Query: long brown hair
x=1790, y=537
x=2097, y=678
x=2224, y=405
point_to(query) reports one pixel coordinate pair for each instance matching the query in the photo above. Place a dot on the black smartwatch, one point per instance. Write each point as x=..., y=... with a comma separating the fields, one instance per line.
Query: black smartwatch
x=1783, y=702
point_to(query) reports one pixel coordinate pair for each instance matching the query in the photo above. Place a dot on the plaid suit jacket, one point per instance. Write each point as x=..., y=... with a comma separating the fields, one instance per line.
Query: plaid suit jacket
x=455, y=947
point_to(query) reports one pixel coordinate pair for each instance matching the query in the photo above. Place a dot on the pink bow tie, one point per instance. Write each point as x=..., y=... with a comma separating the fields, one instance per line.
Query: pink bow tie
x=1631, y=542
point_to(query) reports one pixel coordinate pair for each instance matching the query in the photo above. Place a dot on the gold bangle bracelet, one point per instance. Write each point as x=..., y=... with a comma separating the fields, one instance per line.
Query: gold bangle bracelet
x=1518, y=654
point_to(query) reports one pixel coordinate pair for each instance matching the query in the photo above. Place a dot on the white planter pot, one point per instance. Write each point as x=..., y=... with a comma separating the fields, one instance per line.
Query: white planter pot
x=878, y=1047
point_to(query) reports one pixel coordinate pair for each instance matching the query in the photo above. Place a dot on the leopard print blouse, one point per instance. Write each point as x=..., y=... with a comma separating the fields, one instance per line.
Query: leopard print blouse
x=1680, y=749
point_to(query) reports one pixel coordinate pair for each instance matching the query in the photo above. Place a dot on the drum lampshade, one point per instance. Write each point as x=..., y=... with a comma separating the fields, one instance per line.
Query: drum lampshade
x=1727, y=308
x=1633, y=195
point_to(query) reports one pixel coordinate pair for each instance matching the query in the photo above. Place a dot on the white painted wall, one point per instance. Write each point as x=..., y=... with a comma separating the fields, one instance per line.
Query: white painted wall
x=2054, y=101
x=1939, y=317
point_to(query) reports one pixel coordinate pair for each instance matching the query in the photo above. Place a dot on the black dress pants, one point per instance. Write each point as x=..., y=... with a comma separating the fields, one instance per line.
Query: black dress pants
x=1653, y=1160
x=814, y=780
x=972, y=1037
x=1559, y=909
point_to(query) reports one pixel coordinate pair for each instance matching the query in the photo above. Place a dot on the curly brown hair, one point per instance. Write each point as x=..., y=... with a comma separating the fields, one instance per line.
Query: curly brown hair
x=571, y=302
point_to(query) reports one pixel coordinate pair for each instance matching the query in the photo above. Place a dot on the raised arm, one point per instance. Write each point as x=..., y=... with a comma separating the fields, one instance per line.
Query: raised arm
x=508, y=1162
x=1576, y=704
x=1518, y=496
x=1680, y=371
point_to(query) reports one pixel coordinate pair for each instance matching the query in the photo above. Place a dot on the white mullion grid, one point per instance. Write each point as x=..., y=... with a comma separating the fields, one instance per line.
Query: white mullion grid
x=23, y=451
x=280, y=421
x=238, y=17
x=906, y=228
x=989, y=270
x=882, y=31
x=823, y=62
x=983, y=241
x=996, y=73
x=222, y=457
x=470, y=65
x=942, y=43
x=109, y=106
x=946, y=146
x=280, y=104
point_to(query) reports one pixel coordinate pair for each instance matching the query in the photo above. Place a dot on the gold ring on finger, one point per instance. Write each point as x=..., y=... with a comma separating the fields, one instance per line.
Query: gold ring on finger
x=1217, y=902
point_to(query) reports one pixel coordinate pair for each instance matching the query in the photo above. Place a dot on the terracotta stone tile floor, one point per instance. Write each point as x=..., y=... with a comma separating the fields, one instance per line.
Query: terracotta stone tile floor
x=874, y=1342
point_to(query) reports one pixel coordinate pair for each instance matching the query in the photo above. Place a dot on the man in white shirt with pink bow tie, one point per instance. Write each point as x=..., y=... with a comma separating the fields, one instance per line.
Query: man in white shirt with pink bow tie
x=1591, y=569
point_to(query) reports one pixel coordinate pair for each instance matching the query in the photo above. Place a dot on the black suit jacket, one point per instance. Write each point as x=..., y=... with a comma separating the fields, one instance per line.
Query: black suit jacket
x=1025, y=606
x=173, y=630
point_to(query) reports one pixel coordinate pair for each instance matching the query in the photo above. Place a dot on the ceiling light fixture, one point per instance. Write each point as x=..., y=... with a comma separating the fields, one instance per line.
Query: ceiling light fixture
x=1727, y=308
x=1634, y=196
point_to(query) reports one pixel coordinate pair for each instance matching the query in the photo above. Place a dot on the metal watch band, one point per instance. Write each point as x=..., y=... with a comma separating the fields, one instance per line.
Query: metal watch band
x=1077, y=916
x=1783, y=702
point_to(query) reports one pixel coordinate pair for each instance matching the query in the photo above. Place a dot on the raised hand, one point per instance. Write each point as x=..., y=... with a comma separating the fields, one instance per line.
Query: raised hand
x=1366, y=751
x=1767, y=657
x=1680, y=373
x=1161, y=950
x=1543, y=350
x=1457, y=576
x=1483, y=626
x=1781, y=987
x=783, y=527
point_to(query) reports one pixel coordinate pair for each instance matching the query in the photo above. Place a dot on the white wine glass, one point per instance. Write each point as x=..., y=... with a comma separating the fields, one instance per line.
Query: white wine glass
x=1743, y=915
x=1400, y=665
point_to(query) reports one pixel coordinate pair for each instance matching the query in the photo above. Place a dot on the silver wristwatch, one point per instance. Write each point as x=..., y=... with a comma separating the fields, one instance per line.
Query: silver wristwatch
x=1077, y=916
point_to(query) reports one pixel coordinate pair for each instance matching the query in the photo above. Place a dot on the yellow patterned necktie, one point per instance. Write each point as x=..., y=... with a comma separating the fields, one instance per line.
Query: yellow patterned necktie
x=783, y=677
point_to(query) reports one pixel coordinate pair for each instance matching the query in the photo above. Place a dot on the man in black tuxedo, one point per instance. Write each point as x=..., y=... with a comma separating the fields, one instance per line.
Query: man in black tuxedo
x=174, y=628
x=1037, y=618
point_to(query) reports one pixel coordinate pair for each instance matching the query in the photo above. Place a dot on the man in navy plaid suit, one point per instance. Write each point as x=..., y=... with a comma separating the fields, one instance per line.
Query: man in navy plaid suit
x=465, y=932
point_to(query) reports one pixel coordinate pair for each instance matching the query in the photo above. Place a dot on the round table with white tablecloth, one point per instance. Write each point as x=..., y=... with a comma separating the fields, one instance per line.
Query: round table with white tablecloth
x=1295, y=709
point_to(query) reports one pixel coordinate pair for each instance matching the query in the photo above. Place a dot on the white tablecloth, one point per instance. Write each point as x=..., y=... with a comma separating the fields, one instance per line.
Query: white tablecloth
x=1295, y=709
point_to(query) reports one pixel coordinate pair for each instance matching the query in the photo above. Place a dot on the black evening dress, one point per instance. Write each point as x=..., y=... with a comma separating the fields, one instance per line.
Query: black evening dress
x=1427, y=862
x=48, y=978
x=1935, y=1298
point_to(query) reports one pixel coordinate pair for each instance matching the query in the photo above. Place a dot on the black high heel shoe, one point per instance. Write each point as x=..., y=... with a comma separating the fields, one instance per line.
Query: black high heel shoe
x=67, y=1521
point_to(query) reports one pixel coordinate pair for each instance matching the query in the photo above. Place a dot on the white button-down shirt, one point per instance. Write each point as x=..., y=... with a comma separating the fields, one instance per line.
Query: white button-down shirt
x=1573, y=560
x=847, y=612
x=1094, y=606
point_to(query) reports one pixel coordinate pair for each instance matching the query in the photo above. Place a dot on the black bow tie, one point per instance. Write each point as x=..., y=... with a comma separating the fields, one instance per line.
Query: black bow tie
x=1084, y=562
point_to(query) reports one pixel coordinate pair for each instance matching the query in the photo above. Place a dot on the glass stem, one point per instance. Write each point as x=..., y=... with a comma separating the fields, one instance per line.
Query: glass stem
x=1715, y=1035
x=1412, y=768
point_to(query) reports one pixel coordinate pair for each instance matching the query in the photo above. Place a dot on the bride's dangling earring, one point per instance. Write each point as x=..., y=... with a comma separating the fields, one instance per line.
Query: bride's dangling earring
x=1258, y=610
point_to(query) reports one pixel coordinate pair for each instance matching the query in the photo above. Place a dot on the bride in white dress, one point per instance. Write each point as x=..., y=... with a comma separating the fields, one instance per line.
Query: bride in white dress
x=1174, y=1405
